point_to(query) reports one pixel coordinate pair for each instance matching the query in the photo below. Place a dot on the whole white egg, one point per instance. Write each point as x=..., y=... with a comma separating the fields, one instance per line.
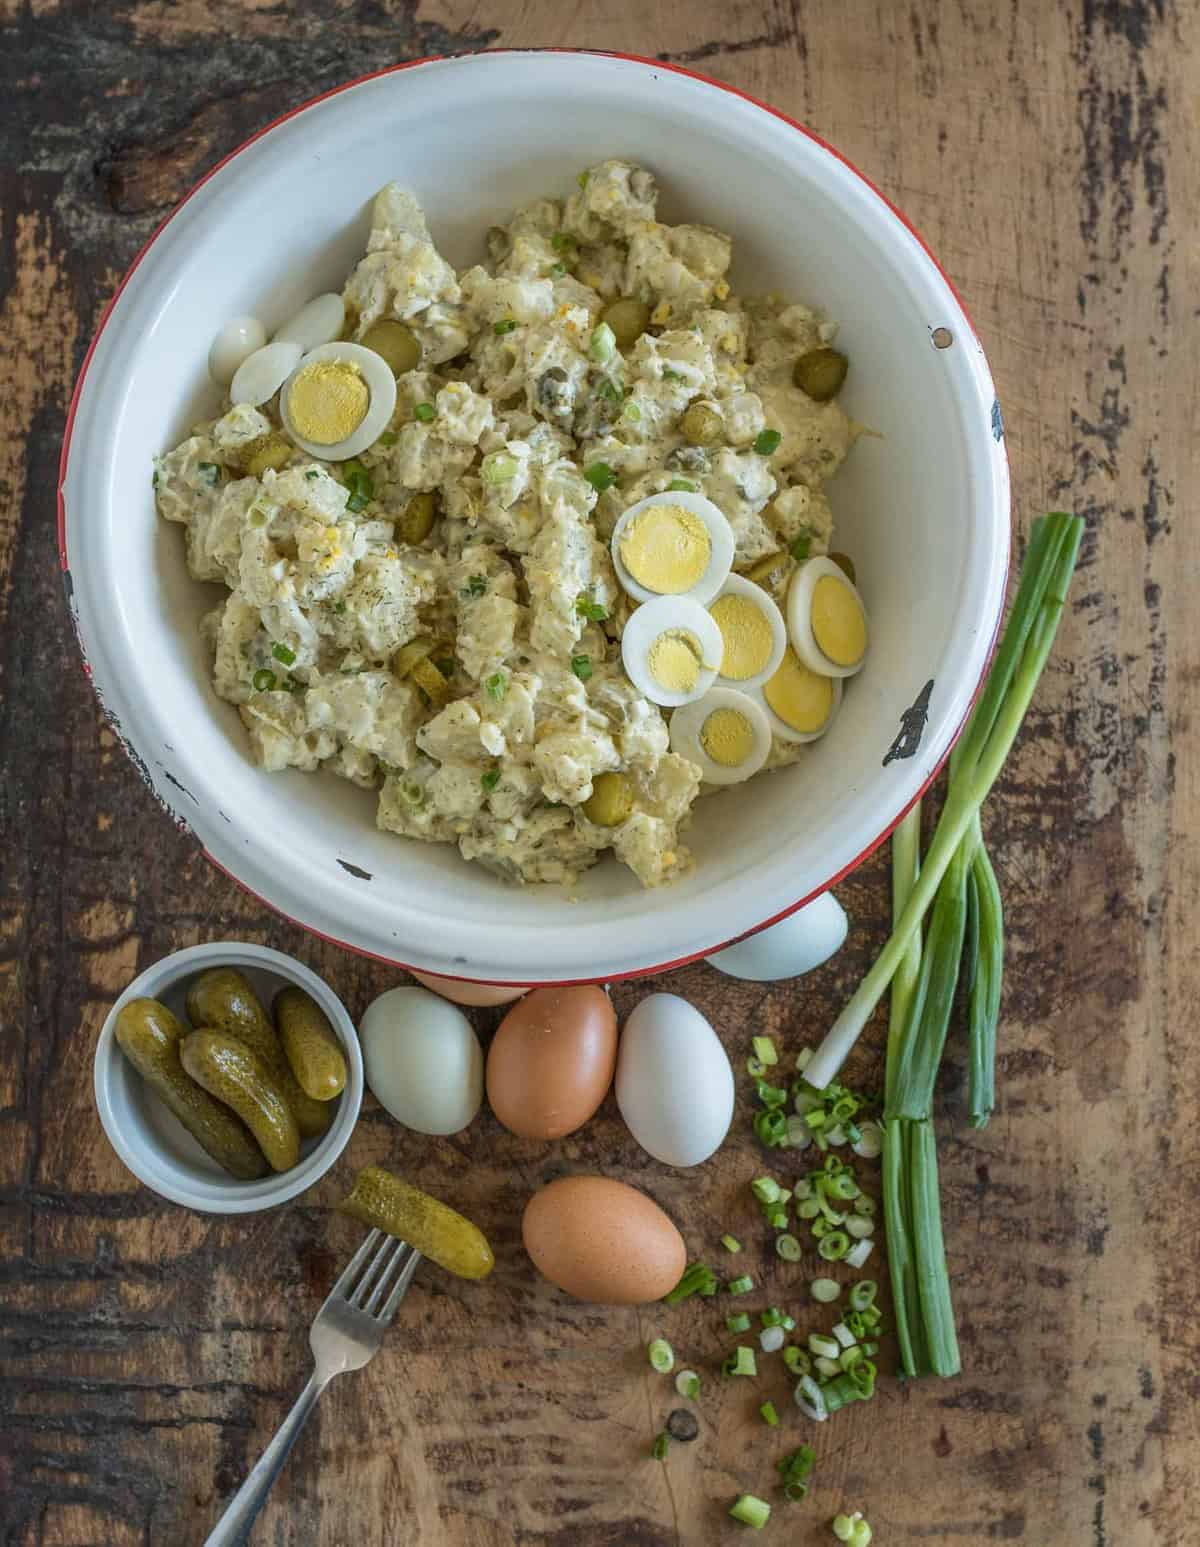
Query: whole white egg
x=422, y=1060
x=795, y=945
x=674, y=1083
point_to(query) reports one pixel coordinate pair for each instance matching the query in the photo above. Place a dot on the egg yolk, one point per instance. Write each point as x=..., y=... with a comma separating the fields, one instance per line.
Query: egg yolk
x=674, y=661
x=666, y=548
x=727, y=737
x=839, y=624
x=328, y=401
x=746, y=634
x=798, y=696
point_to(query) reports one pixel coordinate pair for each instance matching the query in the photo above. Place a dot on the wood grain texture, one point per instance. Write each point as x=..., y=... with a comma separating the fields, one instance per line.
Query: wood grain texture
x=1049, y=153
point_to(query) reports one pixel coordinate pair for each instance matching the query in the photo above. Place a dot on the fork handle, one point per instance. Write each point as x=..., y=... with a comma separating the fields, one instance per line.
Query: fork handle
x=242, y=1511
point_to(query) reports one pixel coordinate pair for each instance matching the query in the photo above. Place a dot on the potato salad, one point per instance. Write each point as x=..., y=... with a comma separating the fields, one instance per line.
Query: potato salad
x=539, y=551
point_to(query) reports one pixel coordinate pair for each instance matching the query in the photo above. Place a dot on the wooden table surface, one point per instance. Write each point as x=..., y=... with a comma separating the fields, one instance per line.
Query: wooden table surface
x=1049, y=153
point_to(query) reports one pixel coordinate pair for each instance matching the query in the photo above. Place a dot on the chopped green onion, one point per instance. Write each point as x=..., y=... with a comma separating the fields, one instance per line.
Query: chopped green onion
x=810, y=1399
x=496, y=686
x=263, y=681
x=788, y=1248
x=661, y=1443
x=698, y=1279
x=609, y=391
x=799, y=1135
x=769, y=1415
x=871, y=1316
x=687, y=1384
x=562, y=241
x=755, y=1068
x=851, y=1356
x=498, y=467
x=731, y=1243
x=771, y=1339
x=751, y=1511
x=842, y=1389
x=388, y=438
x=490, y=779
x=859, y=1225
x=869, y=1349
x=210, y=471
x=770, y=1127
x=662, y=1356
x=770, y=1095
x=766, y=1189
x=475, y=586
x=834, y=1246
x=632, y=413
x=764, y=1048
x=505, y=325
x=358, y=481
x=845, y=1337
x=862, y=1294
x=581, y=665
x=777, y=1218
x=586, y=607
x=767, y=441
x=864, y=1205
x=823, y=1347
x=314, y=472
x=772, y=1316
x=858, y=1254
x=796, y=1360
x=600, y=476
x=841, y=1186
x=799, y=549
x=284, y=653
x=741, y=1362
x=856, y=1324
x=738, y=1323
x=825, y=1290
x=808, y=1208
x=686, y=486
x=826, y=1368
x=603, y=343
x=558, y=270
x=740, y=1286
x=425, y=412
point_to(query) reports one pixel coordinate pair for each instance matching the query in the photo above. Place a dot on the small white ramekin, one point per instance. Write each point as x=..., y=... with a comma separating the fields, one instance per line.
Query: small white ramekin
x=152, y=1142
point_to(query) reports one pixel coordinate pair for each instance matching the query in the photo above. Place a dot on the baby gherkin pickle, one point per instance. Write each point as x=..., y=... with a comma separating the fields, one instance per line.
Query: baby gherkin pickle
x=223, y=999
x=820, y=373
x=311, y=1044
x=628, y=318
x=228, y=1070
x=611, y=800
x=396, y=343
x=150, y=1037
x=384, y=1202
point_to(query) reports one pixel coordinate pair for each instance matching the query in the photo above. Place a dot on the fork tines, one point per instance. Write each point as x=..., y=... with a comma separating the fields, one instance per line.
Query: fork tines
x=378, y=1287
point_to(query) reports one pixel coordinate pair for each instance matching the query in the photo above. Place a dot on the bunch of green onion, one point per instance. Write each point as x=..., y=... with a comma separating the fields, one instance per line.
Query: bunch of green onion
x=965, y=929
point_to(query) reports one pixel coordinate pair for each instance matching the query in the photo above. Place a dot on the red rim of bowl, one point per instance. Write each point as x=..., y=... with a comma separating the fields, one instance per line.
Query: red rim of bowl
x=411, y=64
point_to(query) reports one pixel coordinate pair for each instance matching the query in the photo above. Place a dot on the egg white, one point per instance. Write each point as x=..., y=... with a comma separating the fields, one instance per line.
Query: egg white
x=686, y=724
x=234, y=343
x=650, y=620
x=720, y=537
x=381, y=386
x=738, y=585
x=799, y=617
x=320, y=322
x=261, y=374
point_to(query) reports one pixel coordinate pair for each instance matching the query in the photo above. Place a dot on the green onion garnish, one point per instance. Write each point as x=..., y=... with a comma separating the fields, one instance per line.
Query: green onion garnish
x=738, y=1323
x=210, y=472
x=767, y=441
x=562, y=241
x=609, y=390
x=313, y=473
x=777, y=1218
x=263, y=681
x=659, y=1448
x=740, y=1286
x=670, y=375
x=769, y=1415
x=770, y=1127
x=796, y=1360
x=600, y=476
x=581, y=665
x=834, y=1246
x=766, y=1189
x=498, y=467
x=496, y=686
x=764, y=1048
x=682, y=486
x=283, y=653
x=603, y=343
x=632, y=413
x=788, y=1248
x=825, y=1290
x=731, y=1243
x=755, y=1068
x=796, y=1469
x=558, y=270
x=687, y=1384
x=586, y=607
x=698, y=1279
x=799, y=549
x=388, y=438
x=505, y=325
x=751, y=1511
x=475, y=586
x=424, y=412
x=662, y=1356
x=490, y=779
x=741, y=1362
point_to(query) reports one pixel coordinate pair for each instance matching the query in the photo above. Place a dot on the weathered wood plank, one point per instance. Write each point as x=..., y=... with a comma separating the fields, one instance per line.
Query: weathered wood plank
x=145, y=1356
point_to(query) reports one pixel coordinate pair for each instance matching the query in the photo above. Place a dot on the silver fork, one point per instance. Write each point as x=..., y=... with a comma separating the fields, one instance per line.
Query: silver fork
x=347, y=1332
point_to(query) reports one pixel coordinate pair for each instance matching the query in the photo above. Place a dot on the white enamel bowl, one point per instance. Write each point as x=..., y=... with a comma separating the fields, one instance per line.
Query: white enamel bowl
x=154, y=1144
x=923, y=506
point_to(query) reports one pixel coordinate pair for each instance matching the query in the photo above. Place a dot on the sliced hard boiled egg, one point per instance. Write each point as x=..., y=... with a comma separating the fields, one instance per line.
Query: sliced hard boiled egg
x=827, y=622
x=320, y=322
x=753, y=637
x=338, y=401
x=672, y=544
x=236, y=342
x=671, y=649
x=800, y=704
x=725, y=733
x=261, y=374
